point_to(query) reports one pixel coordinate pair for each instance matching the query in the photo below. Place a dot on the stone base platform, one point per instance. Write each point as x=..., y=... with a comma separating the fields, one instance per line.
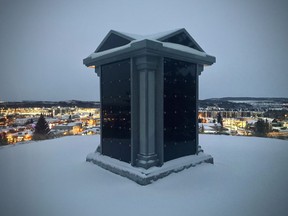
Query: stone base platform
x=143, y=176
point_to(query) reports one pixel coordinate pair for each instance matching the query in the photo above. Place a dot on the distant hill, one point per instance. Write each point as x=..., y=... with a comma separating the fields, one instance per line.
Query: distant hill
x=245, y=103
x=225, y=104
x=49, y=104
x=280, y=99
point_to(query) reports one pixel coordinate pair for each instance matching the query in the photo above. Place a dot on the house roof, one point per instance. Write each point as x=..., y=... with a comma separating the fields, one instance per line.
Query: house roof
x=176, y=43
x=116, y=39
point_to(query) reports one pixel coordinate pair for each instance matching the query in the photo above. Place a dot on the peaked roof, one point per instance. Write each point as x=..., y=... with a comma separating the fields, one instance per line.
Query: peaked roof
x=177, y=44
x=116, y=39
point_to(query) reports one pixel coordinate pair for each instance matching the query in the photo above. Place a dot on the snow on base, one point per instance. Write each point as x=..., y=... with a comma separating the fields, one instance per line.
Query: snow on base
x=143, y=176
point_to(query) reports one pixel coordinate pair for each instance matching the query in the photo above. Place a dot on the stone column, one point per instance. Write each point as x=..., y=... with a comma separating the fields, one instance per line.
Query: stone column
x=146, y=69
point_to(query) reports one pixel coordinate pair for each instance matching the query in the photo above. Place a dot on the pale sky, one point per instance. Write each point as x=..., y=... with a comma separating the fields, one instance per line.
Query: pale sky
x=43, y=43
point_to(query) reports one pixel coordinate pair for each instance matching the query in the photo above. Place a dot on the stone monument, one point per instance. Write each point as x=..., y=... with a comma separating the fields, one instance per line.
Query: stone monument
x=149, y=103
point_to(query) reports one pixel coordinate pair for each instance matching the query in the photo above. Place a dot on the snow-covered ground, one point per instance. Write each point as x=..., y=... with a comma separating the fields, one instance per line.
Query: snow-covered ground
x=249, y=177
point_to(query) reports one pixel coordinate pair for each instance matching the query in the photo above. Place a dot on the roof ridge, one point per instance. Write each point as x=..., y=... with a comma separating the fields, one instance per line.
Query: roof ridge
x=150, y=36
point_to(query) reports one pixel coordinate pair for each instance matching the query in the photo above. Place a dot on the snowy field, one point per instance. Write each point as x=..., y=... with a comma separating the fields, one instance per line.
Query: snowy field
x=249, y=177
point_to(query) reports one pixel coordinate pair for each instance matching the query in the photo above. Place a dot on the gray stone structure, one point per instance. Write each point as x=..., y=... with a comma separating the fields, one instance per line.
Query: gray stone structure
x=149, y=100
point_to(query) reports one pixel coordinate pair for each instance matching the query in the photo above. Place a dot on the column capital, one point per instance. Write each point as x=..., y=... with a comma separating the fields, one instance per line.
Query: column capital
x=146, y=62
x=200, y=68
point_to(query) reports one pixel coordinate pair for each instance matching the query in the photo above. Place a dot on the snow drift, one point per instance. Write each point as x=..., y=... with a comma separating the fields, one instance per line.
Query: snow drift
x=51, y=177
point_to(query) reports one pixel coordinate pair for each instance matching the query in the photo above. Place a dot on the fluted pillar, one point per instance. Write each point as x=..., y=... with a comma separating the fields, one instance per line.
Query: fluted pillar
x=144, y=79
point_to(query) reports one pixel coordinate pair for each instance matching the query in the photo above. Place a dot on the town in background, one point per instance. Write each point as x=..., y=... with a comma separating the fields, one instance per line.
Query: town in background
x=229, y=116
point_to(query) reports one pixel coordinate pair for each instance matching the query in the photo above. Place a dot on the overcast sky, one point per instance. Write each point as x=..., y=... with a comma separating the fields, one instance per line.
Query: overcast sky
x=43, y=43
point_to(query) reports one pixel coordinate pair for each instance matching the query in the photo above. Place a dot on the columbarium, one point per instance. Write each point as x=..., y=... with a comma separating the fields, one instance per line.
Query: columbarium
x=149, y=103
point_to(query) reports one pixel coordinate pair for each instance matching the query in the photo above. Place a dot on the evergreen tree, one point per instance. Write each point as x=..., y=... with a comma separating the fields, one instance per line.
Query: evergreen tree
x=220, y=119
x=70, y=118
x=262, y=128
x=3, y=139
x=41, y=129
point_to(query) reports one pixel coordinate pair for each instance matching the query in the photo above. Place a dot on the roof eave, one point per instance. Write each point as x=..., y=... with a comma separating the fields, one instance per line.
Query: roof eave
x=147, y=46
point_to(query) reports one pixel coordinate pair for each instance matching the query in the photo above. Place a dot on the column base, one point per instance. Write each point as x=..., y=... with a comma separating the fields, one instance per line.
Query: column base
x=147, y=161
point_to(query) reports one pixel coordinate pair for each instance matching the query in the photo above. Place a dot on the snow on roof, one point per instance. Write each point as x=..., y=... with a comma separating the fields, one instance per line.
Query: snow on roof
x=105, y=52
x=51, y=120
x=152, y=36
x=164, y=44
x=74, y=124
x=133, y=38
x=183, y=48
